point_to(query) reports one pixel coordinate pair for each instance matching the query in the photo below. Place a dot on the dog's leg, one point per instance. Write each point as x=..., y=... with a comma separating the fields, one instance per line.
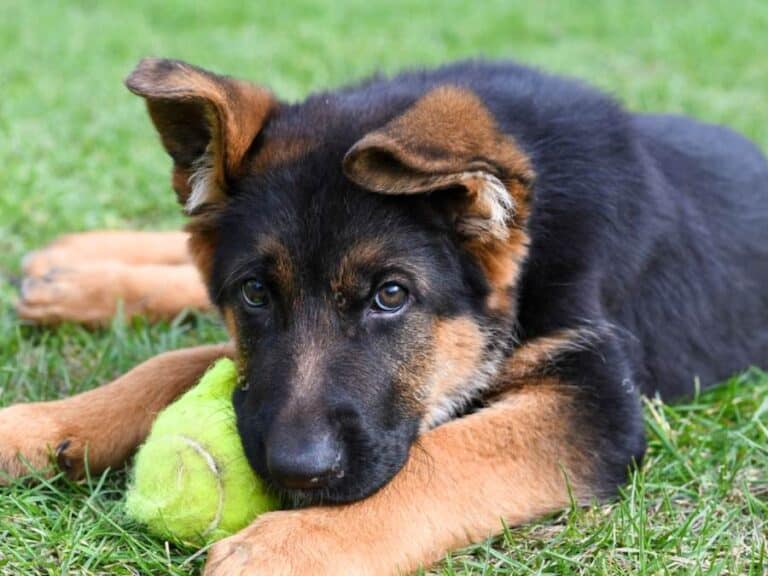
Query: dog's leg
x=91, y=292
x=104, y=424
x=83, y=277
x=523, y=457
x=128, y=247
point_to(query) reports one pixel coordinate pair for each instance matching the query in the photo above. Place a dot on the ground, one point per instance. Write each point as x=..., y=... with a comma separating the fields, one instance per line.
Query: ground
x=77, y=152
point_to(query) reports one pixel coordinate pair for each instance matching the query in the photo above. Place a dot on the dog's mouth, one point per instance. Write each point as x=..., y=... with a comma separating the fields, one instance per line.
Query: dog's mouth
x=305, y=497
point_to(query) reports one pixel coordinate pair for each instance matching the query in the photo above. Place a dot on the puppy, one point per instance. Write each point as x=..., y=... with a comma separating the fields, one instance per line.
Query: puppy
x=446, y=292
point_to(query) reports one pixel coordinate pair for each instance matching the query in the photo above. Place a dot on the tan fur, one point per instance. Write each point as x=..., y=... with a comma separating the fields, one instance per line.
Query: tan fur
x=508, y=462
x=230, y=321
x=106, y=423
x=447, y=132
x=360, y=256
x=92, y=292
x=126, y=246
x=85, y=277
x=282, y=263
x=457, y=348
x=502, y=262
x=203, y=235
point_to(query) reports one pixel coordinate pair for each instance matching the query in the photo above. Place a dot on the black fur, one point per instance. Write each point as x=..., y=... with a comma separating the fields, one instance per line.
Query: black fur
x=650, y=231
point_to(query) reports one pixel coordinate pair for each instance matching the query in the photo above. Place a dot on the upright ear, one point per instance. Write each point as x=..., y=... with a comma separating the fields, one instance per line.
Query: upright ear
x=206, y=122
x=448, y=140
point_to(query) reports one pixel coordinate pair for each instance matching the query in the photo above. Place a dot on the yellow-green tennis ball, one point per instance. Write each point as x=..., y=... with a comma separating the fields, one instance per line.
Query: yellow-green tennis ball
x=191, y=480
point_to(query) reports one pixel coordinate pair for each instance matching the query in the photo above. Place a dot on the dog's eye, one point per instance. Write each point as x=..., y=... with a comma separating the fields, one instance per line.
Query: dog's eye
x=390, y=297
x=255, y=293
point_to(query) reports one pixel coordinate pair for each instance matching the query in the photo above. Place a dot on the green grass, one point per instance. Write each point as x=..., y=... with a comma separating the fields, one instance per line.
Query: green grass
x=77, y=152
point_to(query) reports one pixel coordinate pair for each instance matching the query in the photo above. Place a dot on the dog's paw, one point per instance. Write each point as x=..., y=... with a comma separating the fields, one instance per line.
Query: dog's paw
x=87, y=294
x=39, y=263
x=291, y=543
x=33, y=440
x=65, y=251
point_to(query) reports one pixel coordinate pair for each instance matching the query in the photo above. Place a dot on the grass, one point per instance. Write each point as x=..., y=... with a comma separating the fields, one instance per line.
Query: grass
x=77, y=152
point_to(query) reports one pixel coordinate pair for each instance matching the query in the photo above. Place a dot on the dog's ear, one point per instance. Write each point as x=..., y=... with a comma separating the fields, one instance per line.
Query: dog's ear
x=206, y=122
x=447, y=140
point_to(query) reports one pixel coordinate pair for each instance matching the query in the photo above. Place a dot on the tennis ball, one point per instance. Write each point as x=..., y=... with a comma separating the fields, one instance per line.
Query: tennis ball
x=191, y=481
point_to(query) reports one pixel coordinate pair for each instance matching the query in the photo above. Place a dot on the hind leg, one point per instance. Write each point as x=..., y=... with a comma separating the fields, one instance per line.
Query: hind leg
x=92, y=292
x=85, y=277
x=125, y=246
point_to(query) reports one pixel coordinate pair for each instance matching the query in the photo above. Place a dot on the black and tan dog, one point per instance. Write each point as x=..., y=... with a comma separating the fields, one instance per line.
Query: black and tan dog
x=446, y=292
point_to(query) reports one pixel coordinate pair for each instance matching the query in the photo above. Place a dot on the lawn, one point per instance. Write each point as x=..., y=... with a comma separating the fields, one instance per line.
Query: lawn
x=77, y=152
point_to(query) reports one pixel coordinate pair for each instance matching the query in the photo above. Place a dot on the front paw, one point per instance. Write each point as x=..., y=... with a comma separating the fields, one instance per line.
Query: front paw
x=33, y=440
x=293, y=543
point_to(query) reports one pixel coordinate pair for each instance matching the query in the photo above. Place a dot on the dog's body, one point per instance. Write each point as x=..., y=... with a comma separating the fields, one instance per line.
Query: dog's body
x=493, y=261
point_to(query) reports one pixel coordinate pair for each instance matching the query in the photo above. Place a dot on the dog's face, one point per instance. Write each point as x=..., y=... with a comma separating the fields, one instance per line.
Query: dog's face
x=338, y=299
x=364, y=257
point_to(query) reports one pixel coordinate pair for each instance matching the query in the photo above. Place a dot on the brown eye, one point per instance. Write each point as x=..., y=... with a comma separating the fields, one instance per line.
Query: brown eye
x=390, y=297
x=255, y=293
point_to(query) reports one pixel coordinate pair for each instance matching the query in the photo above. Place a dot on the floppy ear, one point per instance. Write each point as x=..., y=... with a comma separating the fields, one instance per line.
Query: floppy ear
x=206, y=122
x=447, y=141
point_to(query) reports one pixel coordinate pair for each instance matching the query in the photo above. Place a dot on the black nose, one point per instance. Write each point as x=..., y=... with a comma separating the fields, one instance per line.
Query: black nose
x=304, y=457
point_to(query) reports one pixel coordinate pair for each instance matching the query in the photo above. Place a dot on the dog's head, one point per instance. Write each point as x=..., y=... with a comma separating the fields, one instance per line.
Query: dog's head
x=363, y=250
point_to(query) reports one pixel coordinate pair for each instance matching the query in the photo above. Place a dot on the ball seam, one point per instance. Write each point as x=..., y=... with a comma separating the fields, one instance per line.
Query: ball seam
x=211, y=462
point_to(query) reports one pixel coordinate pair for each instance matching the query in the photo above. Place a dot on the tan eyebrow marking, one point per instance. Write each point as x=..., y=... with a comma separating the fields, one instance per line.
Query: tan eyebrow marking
x=374, y=254
x=282, y=270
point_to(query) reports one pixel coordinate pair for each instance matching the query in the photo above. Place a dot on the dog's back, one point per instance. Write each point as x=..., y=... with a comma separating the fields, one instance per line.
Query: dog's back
x=698, y=306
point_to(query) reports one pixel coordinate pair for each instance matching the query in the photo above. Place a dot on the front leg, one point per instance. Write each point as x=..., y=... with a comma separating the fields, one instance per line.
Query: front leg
x=106, y=423
x=527, y=455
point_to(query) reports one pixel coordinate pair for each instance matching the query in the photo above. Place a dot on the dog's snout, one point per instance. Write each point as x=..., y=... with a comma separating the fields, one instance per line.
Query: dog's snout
x=305, y=457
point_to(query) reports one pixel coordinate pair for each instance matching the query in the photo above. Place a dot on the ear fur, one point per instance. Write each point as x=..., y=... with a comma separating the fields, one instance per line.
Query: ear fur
x=448, y=139
x=206, y=122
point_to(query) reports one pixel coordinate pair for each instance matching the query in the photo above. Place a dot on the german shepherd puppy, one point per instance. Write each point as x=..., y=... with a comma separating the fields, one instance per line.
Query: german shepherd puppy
x=446, y=292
